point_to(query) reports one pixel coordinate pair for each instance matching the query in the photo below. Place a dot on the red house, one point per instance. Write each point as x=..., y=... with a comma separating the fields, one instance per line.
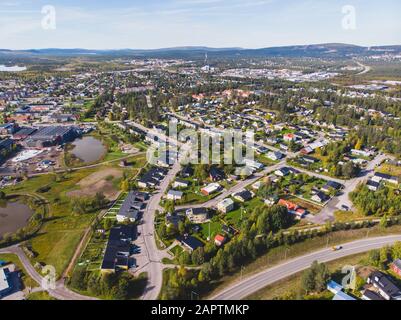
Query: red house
x=396, y=267
x=219, y=240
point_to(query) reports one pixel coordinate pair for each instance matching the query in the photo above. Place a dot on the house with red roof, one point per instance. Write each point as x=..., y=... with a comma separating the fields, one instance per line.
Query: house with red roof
x=219, y=240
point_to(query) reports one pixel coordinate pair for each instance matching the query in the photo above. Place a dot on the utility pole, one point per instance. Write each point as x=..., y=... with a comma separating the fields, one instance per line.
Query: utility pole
x=242, y=271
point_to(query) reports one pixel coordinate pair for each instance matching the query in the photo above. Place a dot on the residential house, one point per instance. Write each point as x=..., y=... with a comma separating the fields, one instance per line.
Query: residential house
x=174, y=195
x=152, y=178
x=288, y=137
x=257, y=185
x=373, y=185
x=293, y=208
x=362, y=153
x=334, y=287
x=243, y=196
x=331, y=185
x=127, y=211
x=5, y=284
x=342, y=296
x=396, y=267
x=378, y=177
x=219, y=240
x=310, y=160
x=282, y=172
x=320, y=197
x=8, y=128
x=275, y=155
x=371, y=295
x=118, y=249
x=387, y=289
x=253, y=164
x=216, y=174
x=173, y=219
x=226, y=205
x=197, y=215
x=189, y=242
x=178, y=183
x=210, y=189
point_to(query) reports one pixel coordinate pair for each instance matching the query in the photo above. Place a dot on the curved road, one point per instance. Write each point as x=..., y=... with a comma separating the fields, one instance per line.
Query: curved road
x=245, y=288
x=60, y=292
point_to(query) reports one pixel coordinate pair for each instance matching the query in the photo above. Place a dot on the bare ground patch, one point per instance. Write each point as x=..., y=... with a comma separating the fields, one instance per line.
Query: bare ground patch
x=100, y=181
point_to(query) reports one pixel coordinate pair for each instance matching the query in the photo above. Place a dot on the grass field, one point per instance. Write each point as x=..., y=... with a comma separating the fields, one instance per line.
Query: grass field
x=390, y=169
x=42, y=295
x=59, y=236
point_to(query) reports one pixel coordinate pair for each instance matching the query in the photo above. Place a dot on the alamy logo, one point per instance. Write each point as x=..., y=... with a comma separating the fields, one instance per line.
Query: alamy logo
x=349, y=19
x=349, y=280
x=49, y=18
x=49, y=279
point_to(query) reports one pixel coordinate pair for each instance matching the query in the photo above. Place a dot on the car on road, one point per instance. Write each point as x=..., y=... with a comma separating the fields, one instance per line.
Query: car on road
x=336, y=248
x=344, y=207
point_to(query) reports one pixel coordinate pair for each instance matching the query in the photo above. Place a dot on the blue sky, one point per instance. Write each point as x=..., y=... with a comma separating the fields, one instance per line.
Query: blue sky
x=101, y=24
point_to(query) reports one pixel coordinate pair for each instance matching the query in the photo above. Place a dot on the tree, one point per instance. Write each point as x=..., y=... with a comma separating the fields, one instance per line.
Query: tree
x=122, y=289
x=124, y=185
x=315, y=278
x=198, y=256
x=396, y=251
x=78, y=279
x=358, y=145
x=385, y=257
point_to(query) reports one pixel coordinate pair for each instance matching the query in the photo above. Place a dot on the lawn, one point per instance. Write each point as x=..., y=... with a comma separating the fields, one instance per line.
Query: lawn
x=344, y=216
x=177, y=250
x=390, y=169
x=42, y=295
x=215, y=228
x=234, y=217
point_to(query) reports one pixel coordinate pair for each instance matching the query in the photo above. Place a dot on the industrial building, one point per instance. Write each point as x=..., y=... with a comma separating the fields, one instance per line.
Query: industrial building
x=50, y=136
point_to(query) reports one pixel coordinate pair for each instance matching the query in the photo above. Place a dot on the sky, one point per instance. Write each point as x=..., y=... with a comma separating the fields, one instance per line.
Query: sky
x=106, y=24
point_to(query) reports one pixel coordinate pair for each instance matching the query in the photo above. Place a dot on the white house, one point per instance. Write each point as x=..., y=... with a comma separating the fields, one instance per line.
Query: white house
x=210, y=189
x=174, y=195
x=180, y=184
x=226, y=205
x=275, y=155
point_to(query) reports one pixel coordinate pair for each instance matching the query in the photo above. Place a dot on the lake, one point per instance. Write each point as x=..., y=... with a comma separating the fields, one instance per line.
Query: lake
x=14, y=216
x=4, y=68
x=88, y=149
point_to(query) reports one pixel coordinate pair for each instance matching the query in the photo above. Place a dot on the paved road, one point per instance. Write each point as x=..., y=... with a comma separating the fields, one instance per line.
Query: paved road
x=366, y=68
x=245, y=288
x=60, y=293
x=152, y=262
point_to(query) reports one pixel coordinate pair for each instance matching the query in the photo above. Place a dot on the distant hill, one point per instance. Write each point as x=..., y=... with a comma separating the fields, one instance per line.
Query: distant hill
x=329, y=50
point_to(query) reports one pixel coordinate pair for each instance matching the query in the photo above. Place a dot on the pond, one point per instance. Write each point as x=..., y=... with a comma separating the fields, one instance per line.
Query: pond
x=88, y=149
x=13, y=216
x=4, y=68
